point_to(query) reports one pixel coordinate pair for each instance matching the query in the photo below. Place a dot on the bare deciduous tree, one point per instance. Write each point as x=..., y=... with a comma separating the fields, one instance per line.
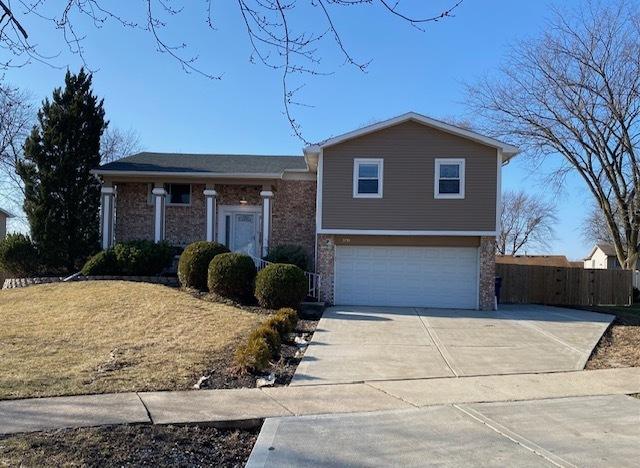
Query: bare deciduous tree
x=116, y=143
x=573, y=96
x=275, y=37
x=526, y=222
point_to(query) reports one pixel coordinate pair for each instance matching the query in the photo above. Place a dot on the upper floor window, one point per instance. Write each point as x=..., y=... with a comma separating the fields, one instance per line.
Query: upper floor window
x=177, y=194
x=367, y=178
x=449, y=178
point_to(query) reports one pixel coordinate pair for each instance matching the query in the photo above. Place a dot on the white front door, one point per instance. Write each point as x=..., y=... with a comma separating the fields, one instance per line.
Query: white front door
x=444, y=277
x=245, y=233
x=239, y=228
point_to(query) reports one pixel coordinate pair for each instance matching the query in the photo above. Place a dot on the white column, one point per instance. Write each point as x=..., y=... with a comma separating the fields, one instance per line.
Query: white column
x=266, y=220
x=107, y=198
x=159, y=194
x=210, y=198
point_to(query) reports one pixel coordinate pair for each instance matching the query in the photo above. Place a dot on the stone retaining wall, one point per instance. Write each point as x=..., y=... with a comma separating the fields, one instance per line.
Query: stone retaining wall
x=12, y=283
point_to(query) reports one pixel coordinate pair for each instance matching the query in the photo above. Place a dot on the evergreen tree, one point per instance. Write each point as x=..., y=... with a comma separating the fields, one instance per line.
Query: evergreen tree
x=62, y=197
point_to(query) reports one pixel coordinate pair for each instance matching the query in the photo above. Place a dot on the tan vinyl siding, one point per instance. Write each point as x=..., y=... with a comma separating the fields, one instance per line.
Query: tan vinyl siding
x=409, y=151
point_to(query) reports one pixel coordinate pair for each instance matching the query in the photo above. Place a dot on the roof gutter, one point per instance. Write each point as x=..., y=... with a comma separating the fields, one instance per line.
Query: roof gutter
x=195, y=175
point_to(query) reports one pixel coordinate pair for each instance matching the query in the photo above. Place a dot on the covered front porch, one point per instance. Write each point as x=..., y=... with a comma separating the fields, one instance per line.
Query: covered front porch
x=236, y=214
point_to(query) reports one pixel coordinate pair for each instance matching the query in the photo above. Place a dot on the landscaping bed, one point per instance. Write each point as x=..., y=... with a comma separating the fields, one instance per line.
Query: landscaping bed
x=620, y=345
x=117, y=446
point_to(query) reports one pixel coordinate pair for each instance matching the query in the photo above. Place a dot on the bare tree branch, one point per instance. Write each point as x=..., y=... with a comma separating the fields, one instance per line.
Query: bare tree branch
x=573, y=96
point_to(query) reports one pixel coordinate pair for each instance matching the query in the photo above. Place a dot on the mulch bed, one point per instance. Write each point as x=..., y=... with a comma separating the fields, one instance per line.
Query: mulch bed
x=118, y=446
x=222, y=372
x=620, y=345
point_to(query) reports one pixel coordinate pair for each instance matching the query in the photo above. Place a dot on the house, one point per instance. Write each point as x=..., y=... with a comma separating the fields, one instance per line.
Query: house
x=403, y=212
x=536, y=260
x=602, y=257
x=4, y=215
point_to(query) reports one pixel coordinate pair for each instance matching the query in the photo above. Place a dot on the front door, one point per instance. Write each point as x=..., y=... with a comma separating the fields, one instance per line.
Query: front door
x=244, y=231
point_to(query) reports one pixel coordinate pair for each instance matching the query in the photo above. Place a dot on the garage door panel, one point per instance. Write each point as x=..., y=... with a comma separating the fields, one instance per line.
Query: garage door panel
x=406, y=276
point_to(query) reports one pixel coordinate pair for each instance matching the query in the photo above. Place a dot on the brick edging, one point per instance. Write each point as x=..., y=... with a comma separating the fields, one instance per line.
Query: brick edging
x=12, y=283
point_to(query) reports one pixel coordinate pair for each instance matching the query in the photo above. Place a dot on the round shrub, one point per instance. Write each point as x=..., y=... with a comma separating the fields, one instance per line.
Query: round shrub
x=254, y=355
x=194, y=263
x=271, y=337
x=101, y=264
x=281, y=324
x=291, y=254
x=232, y=275
x=280, y=285
x=19, y=256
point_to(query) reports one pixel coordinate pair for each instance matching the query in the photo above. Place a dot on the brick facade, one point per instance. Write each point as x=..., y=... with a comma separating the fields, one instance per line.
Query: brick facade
x=293, y=217
x=487, y=273
x=325, y=266
x=292, y=222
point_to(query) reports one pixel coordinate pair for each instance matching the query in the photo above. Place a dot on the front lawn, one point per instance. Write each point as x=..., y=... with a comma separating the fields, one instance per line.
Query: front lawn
x=620, y=345
x=111, y=336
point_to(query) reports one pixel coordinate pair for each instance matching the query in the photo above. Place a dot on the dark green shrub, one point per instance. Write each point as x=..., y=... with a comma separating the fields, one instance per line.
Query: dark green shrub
x=194, y=263
x=291, y=254
x=19, y=256
x=101, y=264
x=280, y=285
x=270, y=335
x=142, y=257
x=254, y=355
x=133, y=258
x=232, y=275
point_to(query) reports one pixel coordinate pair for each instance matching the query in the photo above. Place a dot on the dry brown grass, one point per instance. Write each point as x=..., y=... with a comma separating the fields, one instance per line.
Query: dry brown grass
x=620, y=345
x=109, y=336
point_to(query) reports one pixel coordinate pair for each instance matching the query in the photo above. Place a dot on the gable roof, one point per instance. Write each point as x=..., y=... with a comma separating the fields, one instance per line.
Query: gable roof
x=8, y=214
x=536, y=260
x=608, y=249
x=204, y=164
x=508, y=151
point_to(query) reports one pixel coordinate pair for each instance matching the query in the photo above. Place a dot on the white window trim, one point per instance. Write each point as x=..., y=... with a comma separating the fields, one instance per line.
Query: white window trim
x=356, y=164
x=436, y=179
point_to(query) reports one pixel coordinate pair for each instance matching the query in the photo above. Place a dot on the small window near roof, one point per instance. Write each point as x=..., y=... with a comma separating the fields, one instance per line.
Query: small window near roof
x=367, y=178
x=449, y=178
x=178, y=194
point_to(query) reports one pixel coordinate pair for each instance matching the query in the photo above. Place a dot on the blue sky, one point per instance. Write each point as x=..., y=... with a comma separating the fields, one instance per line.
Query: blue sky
x=242, y=113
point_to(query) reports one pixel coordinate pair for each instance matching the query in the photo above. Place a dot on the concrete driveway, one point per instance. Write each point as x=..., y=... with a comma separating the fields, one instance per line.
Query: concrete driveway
x=587, y=431
x=353, y=344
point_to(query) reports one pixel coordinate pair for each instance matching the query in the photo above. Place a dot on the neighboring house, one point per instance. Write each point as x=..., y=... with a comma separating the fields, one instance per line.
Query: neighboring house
x=403, y=212
x=602, y=257
x=537, y=260
x=4, y=215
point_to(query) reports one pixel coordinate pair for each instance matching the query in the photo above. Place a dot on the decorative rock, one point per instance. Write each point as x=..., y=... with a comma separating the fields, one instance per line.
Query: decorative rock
x=267, y=381
x=201, y=380
x=301, y=342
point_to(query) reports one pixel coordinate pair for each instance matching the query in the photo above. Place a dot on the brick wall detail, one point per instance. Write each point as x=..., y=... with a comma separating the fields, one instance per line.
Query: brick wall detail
x=487, y=273
x=293, y=216
x=326, y=257
x=134, y=215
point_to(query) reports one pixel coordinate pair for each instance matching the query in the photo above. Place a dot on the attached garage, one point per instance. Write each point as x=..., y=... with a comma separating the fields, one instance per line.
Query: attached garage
x=444, y=277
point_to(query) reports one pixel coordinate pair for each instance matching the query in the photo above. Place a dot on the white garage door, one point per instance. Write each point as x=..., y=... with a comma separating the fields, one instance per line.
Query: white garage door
x=407, y=276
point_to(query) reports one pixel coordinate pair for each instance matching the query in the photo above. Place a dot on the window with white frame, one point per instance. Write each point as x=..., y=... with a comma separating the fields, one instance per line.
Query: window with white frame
x=367, y=178
x=449, y=178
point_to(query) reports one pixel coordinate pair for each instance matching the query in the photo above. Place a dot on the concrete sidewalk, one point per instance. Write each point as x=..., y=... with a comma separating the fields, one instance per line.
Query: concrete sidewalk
x=233, y=406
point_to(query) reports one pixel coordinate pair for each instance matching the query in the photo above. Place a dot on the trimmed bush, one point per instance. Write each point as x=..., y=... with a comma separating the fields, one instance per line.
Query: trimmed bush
x=271, y=337
x=19, y=256
x=232, y=275
x=254, y=355
x=133, y=258
x=101, y=264
x=290, y=254
x=290, y=315
x=194, y=263
x=280, y=285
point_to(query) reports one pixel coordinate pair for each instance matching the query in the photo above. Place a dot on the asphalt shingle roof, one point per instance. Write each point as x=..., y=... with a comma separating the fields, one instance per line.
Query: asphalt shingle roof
x=215, y=163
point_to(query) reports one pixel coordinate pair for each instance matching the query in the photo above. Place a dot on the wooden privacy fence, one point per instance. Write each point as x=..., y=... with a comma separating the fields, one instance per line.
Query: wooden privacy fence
x=526, y=284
